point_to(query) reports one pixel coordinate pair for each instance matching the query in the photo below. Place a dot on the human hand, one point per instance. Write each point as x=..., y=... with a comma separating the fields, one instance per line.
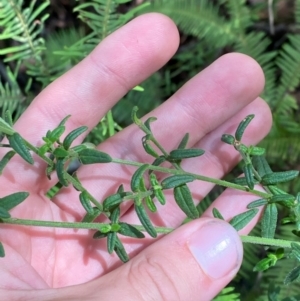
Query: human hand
x=192, y=263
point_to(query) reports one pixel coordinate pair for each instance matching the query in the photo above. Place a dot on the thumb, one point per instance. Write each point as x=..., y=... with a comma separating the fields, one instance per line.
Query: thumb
x=192, y=263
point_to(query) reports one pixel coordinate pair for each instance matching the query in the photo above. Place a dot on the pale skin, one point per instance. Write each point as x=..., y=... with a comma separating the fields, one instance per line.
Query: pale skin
x=60, y=264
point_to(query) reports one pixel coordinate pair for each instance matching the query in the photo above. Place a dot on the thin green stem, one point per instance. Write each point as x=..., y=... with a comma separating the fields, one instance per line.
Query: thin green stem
x=198, y=177
x=79, y=187
x=279, y=243
x=36, y=151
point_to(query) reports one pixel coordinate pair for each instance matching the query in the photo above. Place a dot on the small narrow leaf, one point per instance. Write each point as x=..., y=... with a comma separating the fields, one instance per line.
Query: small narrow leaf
x=279, y=177
x=99, y=235
x=128, y=230
x=120, y=250
x=6, y=159
x=263, y=265
x=146, y=142
x=241, y=220
x=158, y=161
x=134, y=117
x=261, y=165
x=269, y=221
x=183, y=143
x=148, y=121
x=90, y=217
x=217, y=214
x=184, y=200
x=257, y=203
x=2, y=252
x=85, y=202
x=10, y=201
x=60, y=153
x=145, y=220
x=111, y=241
x=115, y=216
x=295, y=251
x=55, y=134
x=8, y=118
x=242, y=126
x=242, y=181
x=176, y=180
x=61, y=172
x=284, y=199
x=292, y=275
x=159, y=194
x=179, y=154
x=91, y=156
x=73, y=135
x=6, y=128
x=229, y=139
x=150, y=204
x=112, y=201
x=249, y=175
x=137, y=176
x=4, y=213
x=18, y=145
x=63, y=122
x=256, y=151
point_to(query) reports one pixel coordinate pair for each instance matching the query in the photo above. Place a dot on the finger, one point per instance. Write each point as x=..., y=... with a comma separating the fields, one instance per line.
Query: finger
x=193, y=263
x=91, y=88
x=203, y=104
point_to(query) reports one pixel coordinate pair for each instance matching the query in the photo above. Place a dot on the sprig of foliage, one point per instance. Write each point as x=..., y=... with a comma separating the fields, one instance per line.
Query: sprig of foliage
x=58, y=154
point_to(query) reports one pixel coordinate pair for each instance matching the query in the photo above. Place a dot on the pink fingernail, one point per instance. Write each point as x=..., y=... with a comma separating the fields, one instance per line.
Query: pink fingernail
x=217, y=248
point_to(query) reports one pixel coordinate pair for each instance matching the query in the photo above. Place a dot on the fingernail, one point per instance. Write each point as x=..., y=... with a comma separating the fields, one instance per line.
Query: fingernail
x=217, y=248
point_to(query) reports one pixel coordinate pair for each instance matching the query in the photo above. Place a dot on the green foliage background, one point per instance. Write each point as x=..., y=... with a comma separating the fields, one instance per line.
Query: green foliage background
x=33, y=54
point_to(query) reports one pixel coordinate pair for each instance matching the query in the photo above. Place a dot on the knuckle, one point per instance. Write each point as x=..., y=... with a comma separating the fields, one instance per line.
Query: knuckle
x=152, y=279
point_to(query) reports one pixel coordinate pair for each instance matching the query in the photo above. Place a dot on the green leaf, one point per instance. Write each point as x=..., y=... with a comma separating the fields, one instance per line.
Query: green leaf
x=112, y=201
x=242, y=181
x=73, y=135
x=91, y=156
x=295, y=251
x=287, y=200
x=229, y=139
x=120, y=250
x=256, y=151
x=247, y=168
x=292, y=276
x=176, y=180
x=131, y=231
x=134, y=117
x=145, y=220
x=150, y=204
x=242, y=126
x=158, y=161
x=85, y=202
x=60, y=153
x=241, y=220
x=17, y=143
x=6, y=128
x=183, y=143
x=279, y=177
x=6, y=159
x=217, y=214
x=4, y=213
x=184, y=200
x=90, y=217
x=61, y=172
x=257, y=203
x=137, y=176
x=10, y=201
x=63, y=122
x=111, y=241
x=269, y=221
x=146, y=141
x=55, y=134
x=264, y=264
x=148, y=121
x=179, y=154
x=99, y=235
x=115, y=216
x=261, y=165
x=8, y=118
x=2, y=252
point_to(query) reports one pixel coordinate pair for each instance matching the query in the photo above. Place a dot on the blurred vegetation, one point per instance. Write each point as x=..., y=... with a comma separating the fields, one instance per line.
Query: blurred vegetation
x=40, y=40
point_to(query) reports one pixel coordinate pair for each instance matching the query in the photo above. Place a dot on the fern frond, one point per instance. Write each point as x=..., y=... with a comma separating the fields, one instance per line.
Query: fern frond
x=101, y=16
x=11, y=96
x=197, y=18
x=227, y=294
x=21, y=25
x=289, y=64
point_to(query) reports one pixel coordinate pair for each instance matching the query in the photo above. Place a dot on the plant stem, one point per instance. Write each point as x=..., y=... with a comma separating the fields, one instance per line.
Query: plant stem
x=198, y=177
x=97, y=226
